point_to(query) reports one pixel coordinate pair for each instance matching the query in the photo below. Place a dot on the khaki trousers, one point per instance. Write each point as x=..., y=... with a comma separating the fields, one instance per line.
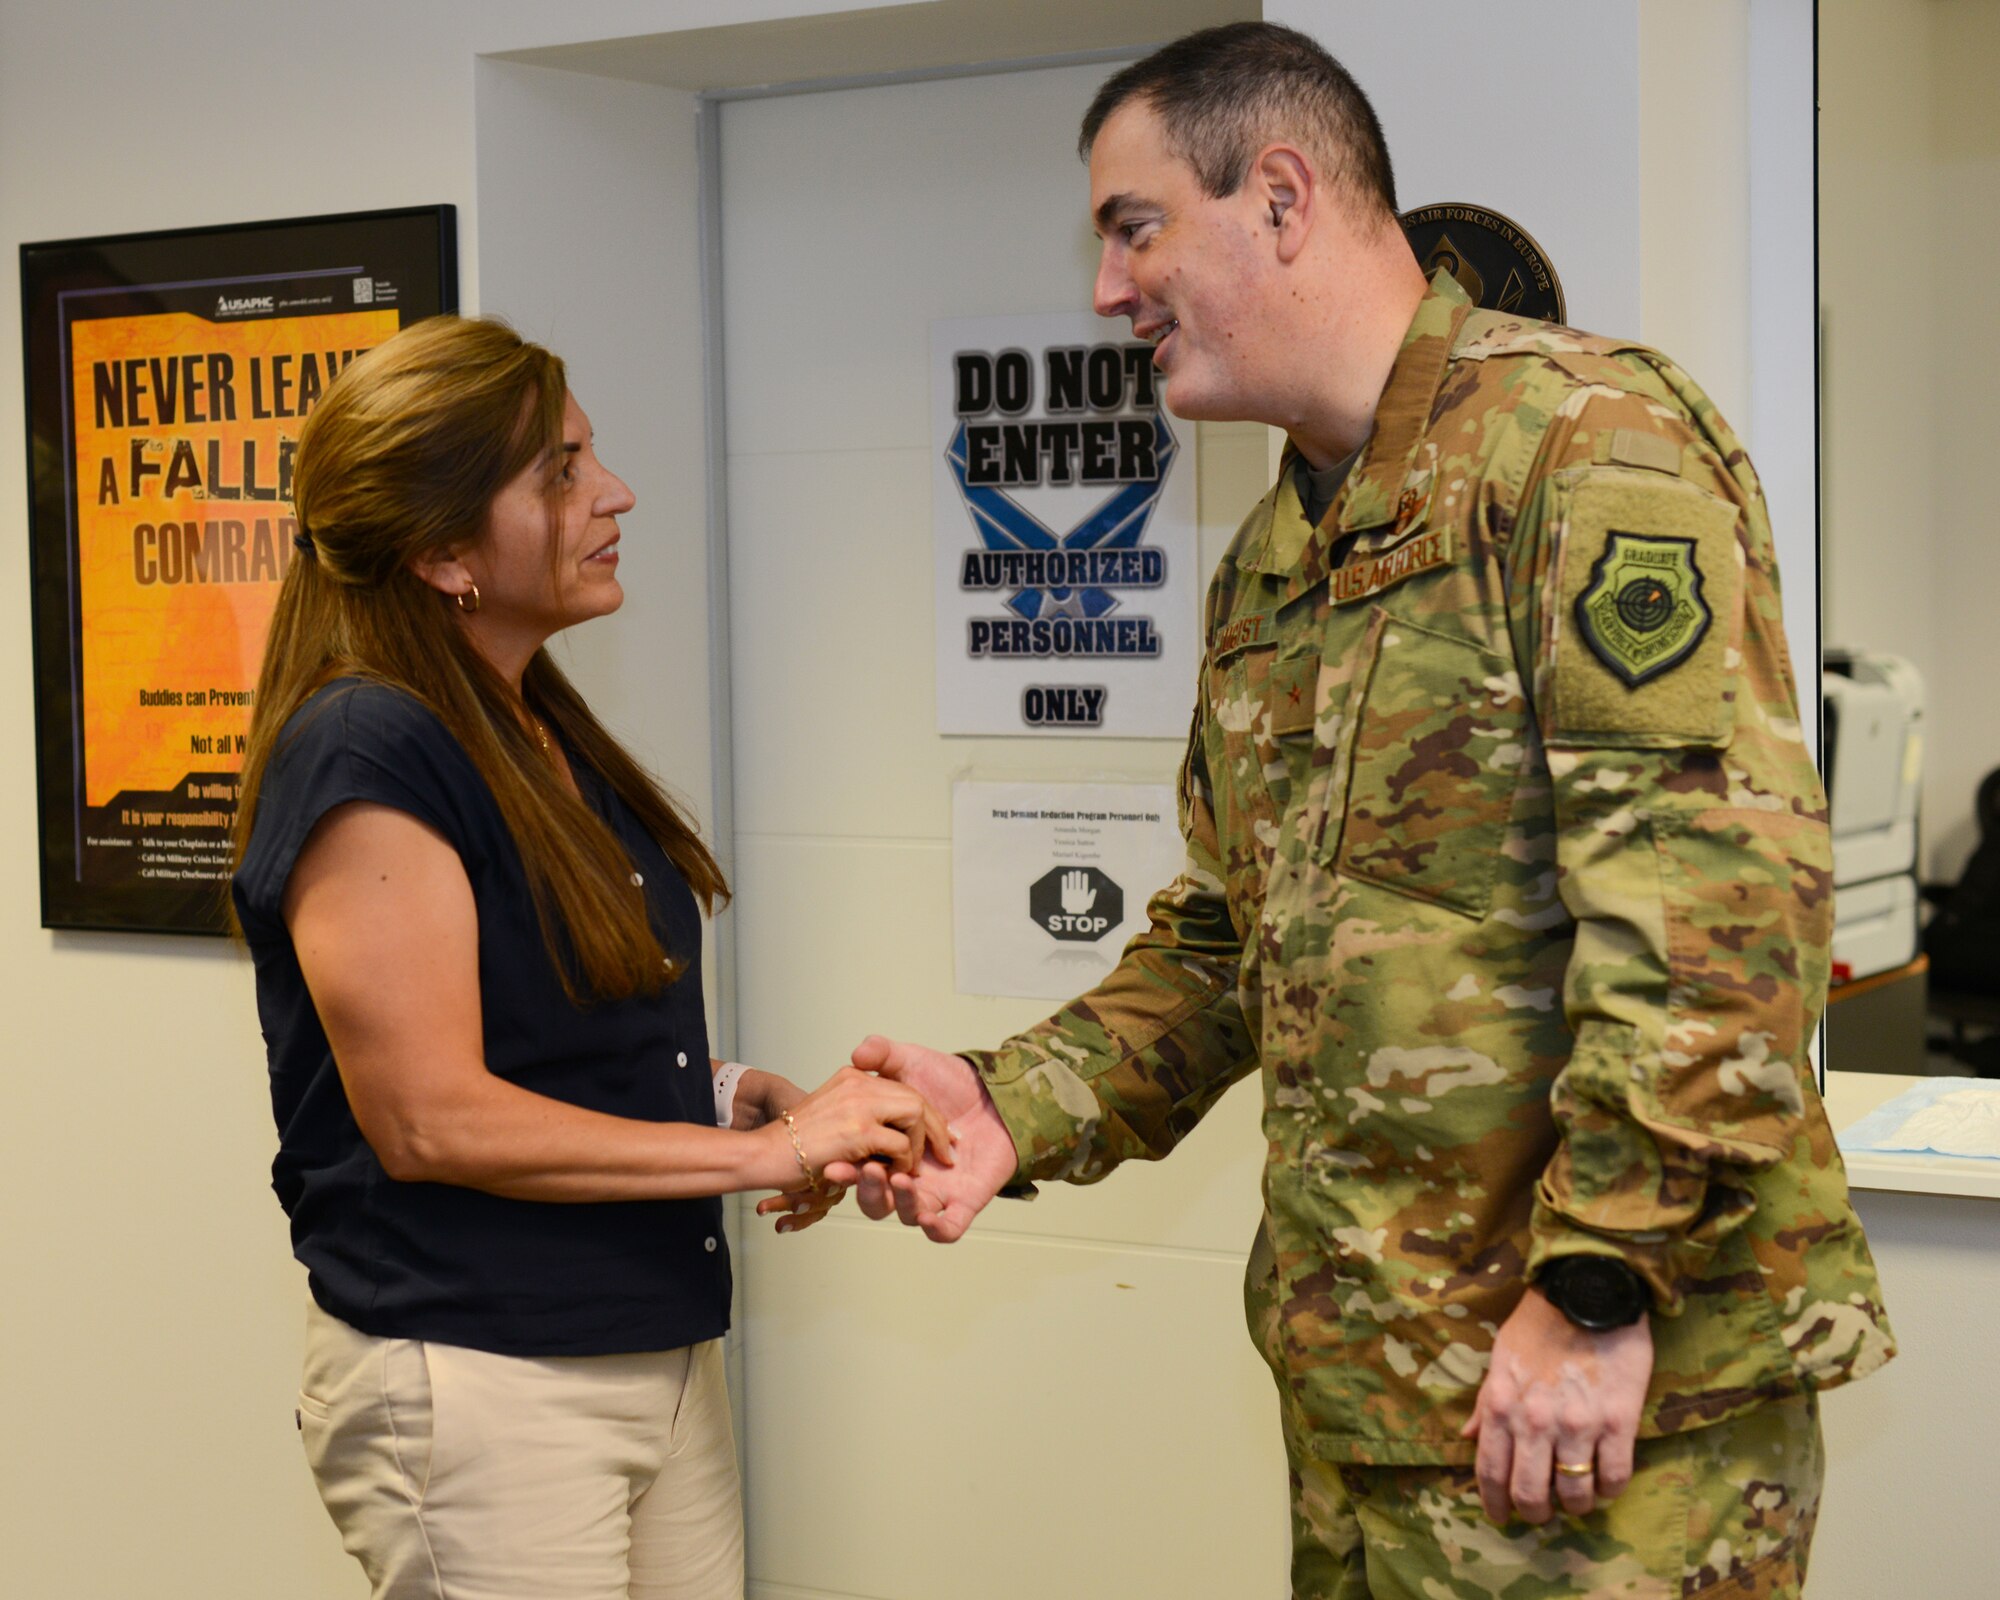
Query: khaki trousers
x=454, y=1474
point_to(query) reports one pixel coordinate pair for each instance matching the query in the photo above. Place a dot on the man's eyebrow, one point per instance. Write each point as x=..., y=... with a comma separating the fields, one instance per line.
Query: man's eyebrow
x=1115, y=207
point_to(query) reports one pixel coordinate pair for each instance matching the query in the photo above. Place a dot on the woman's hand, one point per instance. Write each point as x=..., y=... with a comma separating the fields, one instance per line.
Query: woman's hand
x=856, y=1116
x=801, y=1208
x=763, y=1097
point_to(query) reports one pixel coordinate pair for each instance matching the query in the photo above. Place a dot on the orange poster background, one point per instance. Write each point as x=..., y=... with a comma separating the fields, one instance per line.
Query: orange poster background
x=187, y=637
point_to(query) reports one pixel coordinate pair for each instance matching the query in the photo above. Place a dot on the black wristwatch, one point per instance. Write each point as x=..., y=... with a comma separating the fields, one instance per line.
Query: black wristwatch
x=1597, y=1293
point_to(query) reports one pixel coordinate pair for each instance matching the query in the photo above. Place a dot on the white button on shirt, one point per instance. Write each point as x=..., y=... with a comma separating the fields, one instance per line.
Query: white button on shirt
x=638, y=880
x=681, y=1060
x=708, y=1244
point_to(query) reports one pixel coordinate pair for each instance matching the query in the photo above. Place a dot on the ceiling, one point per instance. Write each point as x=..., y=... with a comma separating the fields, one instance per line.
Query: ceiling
x=884, y=40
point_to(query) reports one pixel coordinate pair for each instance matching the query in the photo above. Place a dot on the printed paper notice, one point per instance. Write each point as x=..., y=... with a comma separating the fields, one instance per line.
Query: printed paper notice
x=1067, y=590
x=1049, y=880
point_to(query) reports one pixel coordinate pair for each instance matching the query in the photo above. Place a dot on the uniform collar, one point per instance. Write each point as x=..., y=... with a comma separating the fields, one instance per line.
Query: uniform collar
x=1379, y=490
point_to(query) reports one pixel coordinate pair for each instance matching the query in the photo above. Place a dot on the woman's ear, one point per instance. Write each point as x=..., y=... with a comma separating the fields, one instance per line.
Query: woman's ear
x=444, y=570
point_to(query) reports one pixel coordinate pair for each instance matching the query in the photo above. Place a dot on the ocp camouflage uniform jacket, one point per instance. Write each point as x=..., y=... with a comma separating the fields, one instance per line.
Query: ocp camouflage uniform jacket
x=1508, y=866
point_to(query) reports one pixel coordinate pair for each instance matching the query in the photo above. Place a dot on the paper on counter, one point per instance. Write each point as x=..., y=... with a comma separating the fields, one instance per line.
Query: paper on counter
x=1941, y=1116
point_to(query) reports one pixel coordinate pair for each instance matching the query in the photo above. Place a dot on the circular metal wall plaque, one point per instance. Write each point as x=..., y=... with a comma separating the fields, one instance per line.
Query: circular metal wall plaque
x=1494, y=259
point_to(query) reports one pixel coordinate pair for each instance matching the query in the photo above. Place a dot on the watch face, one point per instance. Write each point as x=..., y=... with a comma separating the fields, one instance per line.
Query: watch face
x=1595, y=1292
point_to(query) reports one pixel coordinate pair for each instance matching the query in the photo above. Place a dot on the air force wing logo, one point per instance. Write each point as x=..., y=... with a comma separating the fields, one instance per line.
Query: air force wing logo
x=1058, y=569
x=1643, y=613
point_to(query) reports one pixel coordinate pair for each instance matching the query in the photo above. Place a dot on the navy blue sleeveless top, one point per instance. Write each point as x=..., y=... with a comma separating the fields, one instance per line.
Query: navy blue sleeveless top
x=435, y=1261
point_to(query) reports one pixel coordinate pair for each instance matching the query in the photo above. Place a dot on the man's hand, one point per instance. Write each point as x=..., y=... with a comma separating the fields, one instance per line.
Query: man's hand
x=1555, y=1393
x=942, y=1200
x=761, y=1096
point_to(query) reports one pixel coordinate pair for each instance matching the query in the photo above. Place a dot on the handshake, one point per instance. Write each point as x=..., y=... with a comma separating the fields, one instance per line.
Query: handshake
x=910, y=1130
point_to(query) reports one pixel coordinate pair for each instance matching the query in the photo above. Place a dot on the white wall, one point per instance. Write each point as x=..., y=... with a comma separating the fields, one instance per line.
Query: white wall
x=1910, y=201
x=1055, y=1347
x=1450, y=82
x=1881, y=336
x=587, y=205
x=1964, y=414
x=1694, y=201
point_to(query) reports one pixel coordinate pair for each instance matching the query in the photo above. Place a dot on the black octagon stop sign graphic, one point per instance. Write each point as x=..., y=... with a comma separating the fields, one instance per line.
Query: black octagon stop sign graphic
x=1077, y=903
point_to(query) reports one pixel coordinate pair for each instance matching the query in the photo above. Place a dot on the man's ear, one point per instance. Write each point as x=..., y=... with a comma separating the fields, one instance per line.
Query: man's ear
x=444, y=571
x=1288, y=192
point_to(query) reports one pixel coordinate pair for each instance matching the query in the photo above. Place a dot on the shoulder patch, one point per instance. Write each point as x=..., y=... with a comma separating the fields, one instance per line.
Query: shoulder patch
x=1643, y=613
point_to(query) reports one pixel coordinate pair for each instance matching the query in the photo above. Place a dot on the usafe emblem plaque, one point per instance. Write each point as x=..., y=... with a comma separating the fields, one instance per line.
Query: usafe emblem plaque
x=1495, y=260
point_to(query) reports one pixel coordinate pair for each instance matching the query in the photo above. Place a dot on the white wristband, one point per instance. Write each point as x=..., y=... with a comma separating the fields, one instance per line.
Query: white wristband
x=726, y=1077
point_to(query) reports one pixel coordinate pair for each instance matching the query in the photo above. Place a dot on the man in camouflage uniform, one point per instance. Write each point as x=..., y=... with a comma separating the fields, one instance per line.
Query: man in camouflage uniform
x=1508, y=869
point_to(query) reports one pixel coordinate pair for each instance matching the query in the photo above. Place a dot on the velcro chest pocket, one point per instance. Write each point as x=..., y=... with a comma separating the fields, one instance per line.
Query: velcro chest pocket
x=1437, y=749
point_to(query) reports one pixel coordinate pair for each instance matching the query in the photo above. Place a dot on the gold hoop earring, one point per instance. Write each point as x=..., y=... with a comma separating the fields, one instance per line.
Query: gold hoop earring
x=473, y=591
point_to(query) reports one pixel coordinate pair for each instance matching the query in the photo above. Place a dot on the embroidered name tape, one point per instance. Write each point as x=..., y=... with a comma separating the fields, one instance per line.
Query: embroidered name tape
x=1372, y=574
x=1240, y=635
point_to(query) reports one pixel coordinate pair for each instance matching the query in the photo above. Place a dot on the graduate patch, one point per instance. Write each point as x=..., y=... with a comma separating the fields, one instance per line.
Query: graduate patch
x=1641, y=613
x=1644, y=613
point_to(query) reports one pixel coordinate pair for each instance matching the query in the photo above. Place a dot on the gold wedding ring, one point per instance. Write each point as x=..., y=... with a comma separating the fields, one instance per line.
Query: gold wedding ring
x=1576, y=1469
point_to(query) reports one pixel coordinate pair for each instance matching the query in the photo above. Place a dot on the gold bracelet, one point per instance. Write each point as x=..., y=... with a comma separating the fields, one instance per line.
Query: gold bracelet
x=799, y=1150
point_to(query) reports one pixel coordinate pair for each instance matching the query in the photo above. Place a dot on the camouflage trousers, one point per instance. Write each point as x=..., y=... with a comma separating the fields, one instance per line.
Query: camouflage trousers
x=1723, y=1512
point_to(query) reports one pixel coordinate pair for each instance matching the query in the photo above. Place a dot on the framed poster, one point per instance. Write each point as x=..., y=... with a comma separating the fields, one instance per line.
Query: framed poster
x=167, y=377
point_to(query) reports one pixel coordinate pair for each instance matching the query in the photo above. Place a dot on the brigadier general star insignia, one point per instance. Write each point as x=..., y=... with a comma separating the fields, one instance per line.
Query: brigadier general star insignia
x=1643, y=613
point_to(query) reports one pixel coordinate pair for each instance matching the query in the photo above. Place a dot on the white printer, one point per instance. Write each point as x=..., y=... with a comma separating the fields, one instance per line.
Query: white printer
x=1874, y=756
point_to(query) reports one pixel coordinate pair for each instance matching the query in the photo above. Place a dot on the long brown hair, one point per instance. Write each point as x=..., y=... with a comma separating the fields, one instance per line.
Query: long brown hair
x=403, y=456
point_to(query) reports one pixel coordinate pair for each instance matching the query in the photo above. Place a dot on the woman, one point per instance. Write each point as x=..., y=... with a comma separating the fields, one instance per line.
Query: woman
x=475, y=929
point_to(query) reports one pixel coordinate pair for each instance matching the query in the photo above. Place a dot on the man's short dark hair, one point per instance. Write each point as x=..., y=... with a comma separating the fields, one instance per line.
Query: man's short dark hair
x=1224, y=93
